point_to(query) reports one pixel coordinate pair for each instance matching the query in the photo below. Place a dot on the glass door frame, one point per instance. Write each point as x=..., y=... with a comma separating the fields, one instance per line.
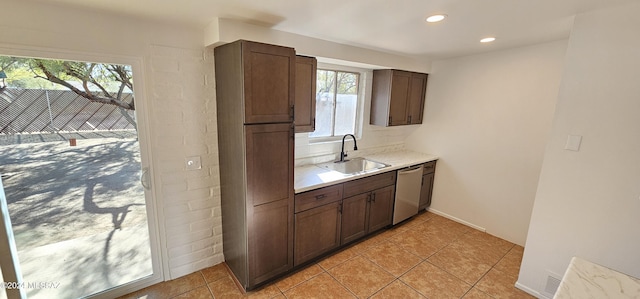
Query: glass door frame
x=155, y=223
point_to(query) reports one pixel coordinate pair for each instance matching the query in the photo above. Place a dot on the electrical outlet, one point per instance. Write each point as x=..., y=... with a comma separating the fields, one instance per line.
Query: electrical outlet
x=193, y=163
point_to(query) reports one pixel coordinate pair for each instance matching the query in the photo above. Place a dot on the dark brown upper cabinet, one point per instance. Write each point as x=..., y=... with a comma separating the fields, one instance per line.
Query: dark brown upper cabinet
x=397, y=97
x=269, y=82
x=305, y=95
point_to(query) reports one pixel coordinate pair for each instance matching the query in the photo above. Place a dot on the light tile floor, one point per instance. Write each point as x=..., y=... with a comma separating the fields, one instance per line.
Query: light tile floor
x=427, y=257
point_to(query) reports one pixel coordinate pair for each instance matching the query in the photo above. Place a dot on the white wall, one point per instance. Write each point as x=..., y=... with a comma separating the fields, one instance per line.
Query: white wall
x=181, y=110
x=587, y=203
x=227, y=30
x=488, y=117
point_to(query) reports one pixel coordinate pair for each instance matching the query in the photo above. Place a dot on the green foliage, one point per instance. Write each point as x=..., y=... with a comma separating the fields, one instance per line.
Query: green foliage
x=327, y=81
x=26, y=73
x=97, y=82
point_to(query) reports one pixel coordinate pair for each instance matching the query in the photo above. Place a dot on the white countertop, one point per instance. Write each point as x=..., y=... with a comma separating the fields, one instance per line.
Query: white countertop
x=585, y=279
x=309, y=177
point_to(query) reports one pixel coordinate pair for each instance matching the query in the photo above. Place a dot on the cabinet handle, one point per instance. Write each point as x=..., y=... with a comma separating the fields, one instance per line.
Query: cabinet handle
x=409, y=120
x=373, y=197
x=292, y=130
x=340, y=208
x=313, y=124
x=293, y=112
x=369, y=197
x=321, y=196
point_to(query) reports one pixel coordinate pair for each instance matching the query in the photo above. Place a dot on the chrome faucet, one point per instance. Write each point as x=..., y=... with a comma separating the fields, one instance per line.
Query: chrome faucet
x=342, y=153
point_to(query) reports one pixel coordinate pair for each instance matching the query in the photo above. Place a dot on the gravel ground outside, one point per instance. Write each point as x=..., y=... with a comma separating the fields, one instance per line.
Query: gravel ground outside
x=57, y=193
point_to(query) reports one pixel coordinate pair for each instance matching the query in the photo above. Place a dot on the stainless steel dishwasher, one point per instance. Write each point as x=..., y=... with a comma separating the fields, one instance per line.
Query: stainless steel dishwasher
x=407, y=193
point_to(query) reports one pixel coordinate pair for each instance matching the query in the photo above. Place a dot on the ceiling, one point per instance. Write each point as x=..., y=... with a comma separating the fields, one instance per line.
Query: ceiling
x=391, y=26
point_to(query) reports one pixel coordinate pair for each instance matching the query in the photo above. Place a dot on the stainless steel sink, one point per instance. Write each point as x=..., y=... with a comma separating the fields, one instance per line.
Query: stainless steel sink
x=353, y=166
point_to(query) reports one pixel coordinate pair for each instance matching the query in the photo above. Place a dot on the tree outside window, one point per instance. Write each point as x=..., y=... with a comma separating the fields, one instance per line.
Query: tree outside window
x=336, y=103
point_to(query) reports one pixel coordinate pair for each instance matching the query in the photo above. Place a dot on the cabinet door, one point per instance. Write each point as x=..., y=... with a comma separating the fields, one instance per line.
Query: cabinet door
x=398, y=105
x=269, y=78
x=416, y=98
x=381, y=208
x=426, y=191
x=354, y=218
x=270, y=228
x=305, y=99
x=316, y=231
x=269, y=163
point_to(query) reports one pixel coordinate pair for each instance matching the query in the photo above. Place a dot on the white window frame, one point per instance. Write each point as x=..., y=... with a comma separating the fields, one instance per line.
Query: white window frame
x=362, y=76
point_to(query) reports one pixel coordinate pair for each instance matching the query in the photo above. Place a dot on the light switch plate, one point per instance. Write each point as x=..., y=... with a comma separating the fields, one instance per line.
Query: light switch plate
x=193, y=163
x=573, y=143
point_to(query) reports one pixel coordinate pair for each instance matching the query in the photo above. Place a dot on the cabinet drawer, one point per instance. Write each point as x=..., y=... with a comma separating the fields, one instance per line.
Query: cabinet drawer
x=367, y=184
x=318, y=197
x=429, y=167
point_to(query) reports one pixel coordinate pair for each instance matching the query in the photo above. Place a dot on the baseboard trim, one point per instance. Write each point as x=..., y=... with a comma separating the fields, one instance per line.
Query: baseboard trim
x=445, y=215
x=528, y=290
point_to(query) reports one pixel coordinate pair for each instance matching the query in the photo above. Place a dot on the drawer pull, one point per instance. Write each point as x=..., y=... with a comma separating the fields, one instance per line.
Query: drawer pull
x=321, y=196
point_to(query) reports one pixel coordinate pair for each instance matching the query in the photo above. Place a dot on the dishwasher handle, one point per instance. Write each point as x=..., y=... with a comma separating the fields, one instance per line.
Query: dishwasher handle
x=410, y=170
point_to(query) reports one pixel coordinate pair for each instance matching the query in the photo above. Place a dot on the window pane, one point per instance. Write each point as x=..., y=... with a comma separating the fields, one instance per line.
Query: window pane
x=347, y=101
x=325, y=89
x=346, y=114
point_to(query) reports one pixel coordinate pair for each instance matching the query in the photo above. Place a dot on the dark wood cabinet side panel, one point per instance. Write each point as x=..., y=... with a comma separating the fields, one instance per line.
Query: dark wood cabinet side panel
x=231, y=153
x=354, y=218
x=381, y=208
x=270, y=241
x=426, y=191
x=381, y=88
x=269, y=163
x=316, y=231
x=305, y=95
x=269, y=83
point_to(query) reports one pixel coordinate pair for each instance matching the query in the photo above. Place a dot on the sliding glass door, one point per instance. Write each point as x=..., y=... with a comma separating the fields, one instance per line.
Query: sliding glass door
x=76, y=195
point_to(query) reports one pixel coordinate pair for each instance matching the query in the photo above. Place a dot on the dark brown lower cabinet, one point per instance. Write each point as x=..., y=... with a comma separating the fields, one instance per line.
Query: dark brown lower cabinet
x=317, y=231
x=354, y=217
x=427, y=184
x=425, y=192
x=366, y=213
x=381, y=208
x=270, y=232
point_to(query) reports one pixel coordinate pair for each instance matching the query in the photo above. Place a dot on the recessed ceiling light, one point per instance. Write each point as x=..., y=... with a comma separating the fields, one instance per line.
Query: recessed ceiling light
x=487, y=39
x=436, y=18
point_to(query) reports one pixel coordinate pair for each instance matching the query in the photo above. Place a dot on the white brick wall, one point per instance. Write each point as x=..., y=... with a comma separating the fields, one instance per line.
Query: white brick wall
x=182, y=109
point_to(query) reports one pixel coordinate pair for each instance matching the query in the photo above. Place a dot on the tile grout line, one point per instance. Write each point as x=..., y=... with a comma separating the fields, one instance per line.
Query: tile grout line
x=447, y=245
x=363, y=250
x=485, y=274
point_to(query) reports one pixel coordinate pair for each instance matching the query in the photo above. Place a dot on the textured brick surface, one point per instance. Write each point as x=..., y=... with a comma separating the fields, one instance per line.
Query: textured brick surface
x=184, y=125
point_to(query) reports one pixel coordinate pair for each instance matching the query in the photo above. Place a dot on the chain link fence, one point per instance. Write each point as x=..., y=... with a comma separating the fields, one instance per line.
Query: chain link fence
x=49, y=111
